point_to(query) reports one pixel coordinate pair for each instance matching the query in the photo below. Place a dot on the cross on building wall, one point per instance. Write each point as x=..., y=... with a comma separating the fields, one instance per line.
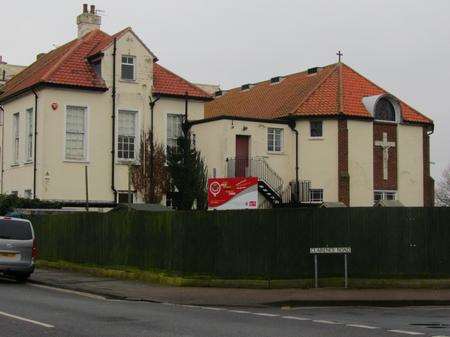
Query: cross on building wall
x=385, y=145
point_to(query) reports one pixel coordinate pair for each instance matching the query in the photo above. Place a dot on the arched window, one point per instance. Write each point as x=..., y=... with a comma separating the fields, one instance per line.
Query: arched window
x=384, y=110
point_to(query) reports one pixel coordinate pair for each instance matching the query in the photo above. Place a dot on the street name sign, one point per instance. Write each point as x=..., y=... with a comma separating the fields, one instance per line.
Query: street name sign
x=331, y=250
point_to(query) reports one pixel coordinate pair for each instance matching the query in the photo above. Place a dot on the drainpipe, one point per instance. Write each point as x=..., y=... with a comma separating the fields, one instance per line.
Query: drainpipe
x=186, y=124
x=152, y=145
x=113, y=141
x=292, y=125
x=35, y=143
x=3, y=142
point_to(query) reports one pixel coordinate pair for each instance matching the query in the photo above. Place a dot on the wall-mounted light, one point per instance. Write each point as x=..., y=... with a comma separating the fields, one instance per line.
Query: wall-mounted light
x=244, y=128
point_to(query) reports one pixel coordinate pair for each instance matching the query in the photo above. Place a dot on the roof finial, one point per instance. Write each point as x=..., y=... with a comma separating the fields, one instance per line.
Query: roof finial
x=339, y=54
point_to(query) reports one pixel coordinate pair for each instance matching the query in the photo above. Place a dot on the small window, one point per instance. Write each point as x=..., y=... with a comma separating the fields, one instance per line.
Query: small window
x=30, y=131
x=16, y=140
x=316, y=195
x=125, y=198
x=316, y=129
x=126, y=144
x=76, y=133
x=128, y=63
x=377, y=196
x=174, y=129
x=384, y=195
x=274, y=139
x=384, y=110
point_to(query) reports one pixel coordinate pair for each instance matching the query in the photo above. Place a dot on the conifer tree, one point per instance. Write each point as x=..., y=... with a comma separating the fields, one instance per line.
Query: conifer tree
x=188, y=173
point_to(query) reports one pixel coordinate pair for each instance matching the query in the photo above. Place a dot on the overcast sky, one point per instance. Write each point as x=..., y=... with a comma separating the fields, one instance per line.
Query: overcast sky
x=402, y=45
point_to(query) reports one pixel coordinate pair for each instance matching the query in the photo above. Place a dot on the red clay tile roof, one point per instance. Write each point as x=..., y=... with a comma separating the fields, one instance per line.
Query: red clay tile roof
x=166, y=82
x=265, y=100
x=301, y=94
x=68, y=65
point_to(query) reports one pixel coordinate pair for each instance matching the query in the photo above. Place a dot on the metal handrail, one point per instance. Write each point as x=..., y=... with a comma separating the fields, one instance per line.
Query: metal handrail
x=255, y=167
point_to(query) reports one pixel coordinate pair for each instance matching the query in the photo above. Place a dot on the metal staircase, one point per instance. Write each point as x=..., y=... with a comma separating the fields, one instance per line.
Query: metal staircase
x=270, y=183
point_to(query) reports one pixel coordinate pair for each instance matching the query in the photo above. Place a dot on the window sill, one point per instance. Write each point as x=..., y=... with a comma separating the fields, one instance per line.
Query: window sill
x=127, y=162
x=28, y=162
x=15, y=165
x=74, y=161
x=276, y=153
x=123, y=80
x=316, y=138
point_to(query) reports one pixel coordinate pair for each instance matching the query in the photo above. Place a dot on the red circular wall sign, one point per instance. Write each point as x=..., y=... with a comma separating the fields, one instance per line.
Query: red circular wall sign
x=54, y=106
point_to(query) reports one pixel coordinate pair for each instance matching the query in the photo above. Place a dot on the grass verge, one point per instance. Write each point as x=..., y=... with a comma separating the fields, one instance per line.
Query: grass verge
x=165, y=278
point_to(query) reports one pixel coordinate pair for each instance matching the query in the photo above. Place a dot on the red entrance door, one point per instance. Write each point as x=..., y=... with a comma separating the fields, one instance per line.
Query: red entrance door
x=242, y=155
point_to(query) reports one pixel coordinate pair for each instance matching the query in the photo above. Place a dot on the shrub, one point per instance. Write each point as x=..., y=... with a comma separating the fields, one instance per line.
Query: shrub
x=10, y=202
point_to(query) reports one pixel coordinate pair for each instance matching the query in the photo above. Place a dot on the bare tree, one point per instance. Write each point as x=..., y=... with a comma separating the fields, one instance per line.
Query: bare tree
x=443, y=189
x=151, y=188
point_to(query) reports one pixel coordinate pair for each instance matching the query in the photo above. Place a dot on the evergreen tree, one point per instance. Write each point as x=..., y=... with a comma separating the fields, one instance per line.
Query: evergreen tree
x=188, y=174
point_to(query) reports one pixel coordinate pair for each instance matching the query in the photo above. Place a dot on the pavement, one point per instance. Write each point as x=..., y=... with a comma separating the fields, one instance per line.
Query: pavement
x=31, y=310
x=232, y=297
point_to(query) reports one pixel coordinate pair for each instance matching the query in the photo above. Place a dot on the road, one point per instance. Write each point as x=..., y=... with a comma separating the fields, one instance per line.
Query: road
x=34, y=310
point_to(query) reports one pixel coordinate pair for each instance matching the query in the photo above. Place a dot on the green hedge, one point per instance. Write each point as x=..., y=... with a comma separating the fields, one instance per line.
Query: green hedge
x=266, y=244
x=9, y=203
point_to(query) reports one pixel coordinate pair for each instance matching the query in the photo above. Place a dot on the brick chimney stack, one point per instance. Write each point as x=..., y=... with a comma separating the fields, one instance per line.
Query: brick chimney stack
x=88, y=20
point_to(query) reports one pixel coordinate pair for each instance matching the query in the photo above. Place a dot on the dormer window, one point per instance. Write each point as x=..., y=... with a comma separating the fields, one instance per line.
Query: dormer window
x=97, y=66
x=128, y=63
x=384, y=110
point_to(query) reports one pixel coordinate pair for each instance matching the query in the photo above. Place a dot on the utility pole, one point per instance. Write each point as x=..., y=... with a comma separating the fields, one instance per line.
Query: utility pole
x=130, y=196
x=152, y=147
x=86, y=181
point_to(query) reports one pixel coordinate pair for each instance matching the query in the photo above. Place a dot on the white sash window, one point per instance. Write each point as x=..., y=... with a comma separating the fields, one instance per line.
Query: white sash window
x=126, y=143
x=16, y=139
x=76, y=132
x=274, y=139
x=30, y=127
x=174, y=130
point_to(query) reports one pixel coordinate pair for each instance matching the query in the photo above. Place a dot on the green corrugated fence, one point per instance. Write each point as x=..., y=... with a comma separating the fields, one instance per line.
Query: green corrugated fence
x=268, y=244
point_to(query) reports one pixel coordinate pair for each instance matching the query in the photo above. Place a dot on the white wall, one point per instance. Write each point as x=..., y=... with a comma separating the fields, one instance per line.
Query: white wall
x=217, y=141
x=410, y=165
x=360, y=162
x=16, y=177
x=319, y=158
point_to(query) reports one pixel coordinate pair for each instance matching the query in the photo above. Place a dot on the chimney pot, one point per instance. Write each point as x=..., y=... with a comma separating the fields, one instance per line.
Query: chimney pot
x=88, y=21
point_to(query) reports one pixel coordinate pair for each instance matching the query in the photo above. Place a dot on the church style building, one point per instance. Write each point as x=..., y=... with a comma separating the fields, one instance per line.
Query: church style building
x=327, y=134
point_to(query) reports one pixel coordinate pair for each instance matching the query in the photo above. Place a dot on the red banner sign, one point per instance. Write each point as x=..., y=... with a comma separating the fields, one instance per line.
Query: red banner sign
x=233, y=193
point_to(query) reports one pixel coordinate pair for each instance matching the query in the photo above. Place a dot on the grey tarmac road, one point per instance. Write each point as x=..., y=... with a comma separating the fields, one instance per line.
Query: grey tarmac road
x=30, y=310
